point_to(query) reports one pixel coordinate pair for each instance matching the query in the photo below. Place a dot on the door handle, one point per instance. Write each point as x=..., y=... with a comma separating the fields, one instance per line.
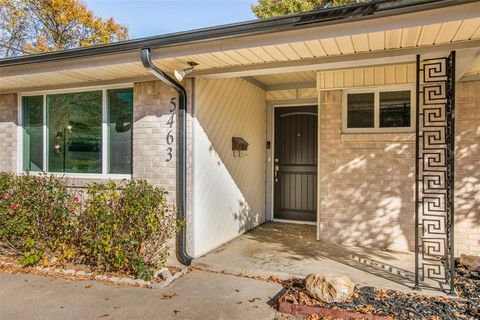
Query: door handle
x=277, y=168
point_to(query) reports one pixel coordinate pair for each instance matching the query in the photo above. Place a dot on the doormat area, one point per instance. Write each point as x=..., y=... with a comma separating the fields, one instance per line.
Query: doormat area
x=381, y=304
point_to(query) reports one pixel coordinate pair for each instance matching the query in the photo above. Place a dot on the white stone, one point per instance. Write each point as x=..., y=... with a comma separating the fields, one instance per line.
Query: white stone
x=127, y=281
x=141, y=282
x=80, y=273
x=69, y=272
x=163, y=274
x=329, y=288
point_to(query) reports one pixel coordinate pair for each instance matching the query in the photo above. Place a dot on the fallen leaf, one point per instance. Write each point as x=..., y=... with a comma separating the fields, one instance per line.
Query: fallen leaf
x=105, y=315
x=168, y=296
x=253, y=300
x=88, y=286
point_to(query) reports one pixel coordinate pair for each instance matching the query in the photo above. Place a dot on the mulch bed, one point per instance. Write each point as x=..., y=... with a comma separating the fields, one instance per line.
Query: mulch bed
x=394, y=304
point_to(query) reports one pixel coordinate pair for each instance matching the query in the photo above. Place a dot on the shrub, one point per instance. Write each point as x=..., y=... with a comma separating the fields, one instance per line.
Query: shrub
x=36, y=214
x=126, y=229
x=111, y=227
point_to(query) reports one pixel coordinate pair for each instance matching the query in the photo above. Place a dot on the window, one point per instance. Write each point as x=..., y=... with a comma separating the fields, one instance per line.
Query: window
x=360, y=110
x=377, y=110
x=395, y=109
x=87, y=132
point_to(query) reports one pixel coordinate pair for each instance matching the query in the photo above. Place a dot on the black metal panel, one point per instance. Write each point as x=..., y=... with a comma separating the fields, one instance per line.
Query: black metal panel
x=295, y=164
x=435, y=159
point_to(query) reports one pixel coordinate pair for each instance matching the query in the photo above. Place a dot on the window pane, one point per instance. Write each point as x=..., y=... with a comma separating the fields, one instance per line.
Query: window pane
x=75, y=132
x=394, y=109
x=360, y=110
x=32, y=133
x=120, y=121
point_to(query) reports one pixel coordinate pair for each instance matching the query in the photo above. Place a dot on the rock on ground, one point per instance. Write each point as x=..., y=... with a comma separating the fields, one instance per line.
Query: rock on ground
x=329, y=288
x=471, y=263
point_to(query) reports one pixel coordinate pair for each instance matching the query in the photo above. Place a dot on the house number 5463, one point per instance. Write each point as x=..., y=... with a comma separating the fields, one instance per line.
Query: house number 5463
x=170, y=122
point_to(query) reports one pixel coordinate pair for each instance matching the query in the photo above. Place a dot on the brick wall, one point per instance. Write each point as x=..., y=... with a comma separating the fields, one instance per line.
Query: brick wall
x=467, y=168
x=150, y=146
x=366, y=183
x=8, y=132
x=367, y=180
x=151, y=114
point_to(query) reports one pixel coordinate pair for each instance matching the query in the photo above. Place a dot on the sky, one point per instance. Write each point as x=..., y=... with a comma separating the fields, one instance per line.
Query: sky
x=155, y=17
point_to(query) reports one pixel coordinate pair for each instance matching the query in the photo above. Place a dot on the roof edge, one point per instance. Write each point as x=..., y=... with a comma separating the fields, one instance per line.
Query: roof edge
x=323, y=16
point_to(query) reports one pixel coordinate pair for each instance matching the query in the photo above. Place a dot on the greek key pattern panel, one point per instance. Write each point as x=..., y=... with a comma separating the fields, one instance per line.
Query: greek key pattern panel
x=434, y=171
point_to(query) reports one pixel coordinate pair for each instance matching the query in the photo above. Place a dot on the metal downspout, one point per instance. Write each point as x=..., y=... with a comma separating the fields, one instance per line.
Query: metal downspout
x=181, y=237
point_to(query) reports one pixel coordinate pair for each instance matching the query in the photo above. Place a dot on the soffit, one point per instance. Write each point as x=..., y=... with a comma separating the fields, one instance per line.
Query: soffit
x=450, y=32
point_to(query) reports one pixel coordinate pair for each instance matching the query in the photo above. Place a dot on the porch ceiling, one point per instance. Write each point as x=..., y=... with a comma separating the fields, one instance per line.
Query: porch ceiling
x=284, y=78
x=311, y=48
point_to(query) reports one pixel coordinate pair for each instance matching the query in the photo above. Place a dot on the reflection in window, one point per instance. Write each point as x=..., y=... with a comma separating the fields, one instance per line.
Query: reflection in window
x=75, y=132
x=394, y=109
x=360, y=110
x=32, y=133
x=120, y=121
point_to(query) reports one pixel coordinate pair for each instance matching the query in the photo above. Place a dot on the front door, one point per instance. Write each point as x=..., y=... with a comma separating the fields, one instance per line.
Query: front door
x=295, y=163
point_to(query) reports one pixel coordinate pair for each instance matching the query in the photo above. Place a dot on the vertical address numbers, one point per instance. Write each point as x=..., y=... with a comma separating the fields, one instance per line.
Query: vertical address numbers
x=171, y=120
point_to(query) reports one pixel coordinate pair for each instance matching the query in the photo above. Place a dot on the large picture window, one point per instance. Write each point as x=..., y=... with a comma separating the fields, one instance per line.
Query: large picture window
x=378, y=110
x=87, y=132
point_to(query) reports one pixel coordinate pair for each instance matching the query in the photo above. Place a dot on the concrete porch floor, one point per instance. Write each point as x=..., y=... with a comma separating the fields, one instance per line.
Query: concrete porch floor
x=291, y=250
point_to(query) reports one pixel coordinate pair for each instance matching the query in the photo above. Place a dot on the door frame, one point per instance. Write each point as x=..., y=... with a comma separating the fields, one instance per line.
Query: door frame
x=271, y=107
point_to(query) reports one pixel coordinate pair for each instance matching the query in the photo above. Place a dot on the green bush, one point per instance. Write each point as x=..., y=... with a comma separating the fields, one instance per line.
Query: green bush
x=36, y=214
x=110, y=227
x=126, y=229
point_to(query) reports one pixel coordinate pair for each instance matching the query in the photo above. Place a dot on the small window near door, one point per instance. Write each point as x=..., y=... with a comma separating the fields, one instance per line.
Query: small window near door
x=377, y=110
x=361, y=110
x=395, y=109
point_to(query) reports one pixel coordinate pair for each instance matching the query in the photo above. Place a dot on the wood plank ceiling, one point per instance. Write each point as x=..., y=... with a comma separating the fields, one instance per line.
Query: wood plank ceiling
x=426, y=35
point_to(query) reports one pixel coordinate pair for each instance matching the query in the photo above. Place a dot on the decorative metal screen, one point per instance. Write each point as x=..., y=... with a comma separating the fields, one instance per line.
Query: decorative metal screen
x=434, y=196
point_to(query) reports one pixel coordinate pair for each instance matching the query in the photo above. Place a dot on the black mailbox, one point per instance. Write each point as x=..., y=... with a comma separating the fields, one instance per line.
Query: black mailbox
x=239, y=147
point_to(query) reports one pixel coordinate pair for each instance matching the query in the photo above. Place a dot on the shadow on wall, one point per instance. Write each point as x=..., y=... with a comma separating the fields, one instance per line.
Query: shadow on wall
x=367, y=184
x=368, y=200
x=232, y=189
x=467, y=180
x=247, y=220
x=242, y=213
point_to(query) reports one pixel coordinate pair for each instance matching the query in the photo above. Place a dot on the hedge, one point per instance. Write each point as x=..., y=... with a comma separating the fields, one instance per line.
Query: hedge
x=108, y=226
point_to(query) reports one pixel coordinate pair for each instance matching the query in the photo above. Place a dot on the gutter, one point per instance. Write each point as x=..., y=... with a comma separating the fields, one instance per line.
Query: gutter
x=319, y=17
x=181, y=237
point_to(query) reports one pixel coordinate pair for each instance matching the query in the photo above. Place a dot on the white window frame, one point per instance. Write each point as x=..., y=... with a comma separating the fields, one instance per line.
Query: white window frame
x=376, y=111
x=104, y=174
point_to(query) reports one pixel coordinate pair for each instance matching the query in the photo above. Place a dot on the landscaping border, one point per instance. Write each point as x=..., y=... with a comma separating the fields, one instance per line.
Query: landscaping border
x=300, y=310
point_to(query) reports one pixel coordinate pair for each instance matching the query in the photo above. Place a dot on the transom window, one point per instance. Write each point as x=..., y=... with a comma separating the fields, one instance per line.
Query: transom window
x=88, y=132
x=378, y=110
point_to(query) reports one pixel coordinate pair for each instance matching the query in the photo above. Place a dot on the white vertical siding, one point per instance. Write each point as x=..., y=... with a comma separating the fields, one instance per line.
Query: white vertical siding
x=366, y=77
x=229, y=192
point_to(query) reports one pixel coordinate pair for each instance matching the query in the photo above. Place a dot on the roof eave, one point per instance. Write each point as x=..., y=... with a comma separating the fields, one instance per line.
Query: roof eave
x=321, y=17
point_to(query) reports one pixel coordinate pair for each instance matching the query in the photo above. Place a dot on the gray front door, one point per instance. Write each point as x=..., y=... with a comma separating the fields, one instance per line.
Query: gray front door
x=295, y=163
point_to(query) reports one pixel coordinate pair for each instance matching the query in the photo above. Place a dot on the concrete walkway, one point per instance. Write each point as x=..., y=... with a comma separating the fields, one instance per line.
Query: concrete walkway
x=197, y=295
x=291, y=250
